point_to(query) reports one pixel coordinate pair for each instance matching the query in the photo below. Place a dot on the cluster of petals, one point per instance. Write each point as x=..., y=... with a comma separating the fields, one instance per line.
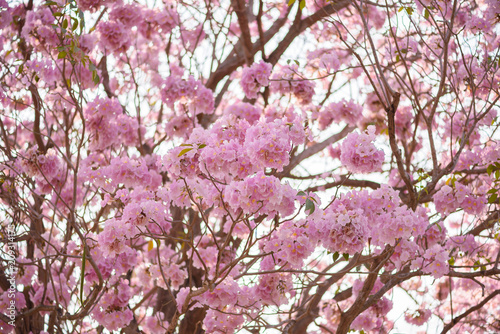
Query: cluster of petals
x=347, y=111
x=347, y=224
x=273, y=288
x=433, y=261
x=112, y=311
x=291, y=244
x=108, y=125
x=234, y=149
x=245, y=111
x=359, y=154
x=448, y=199
x=114, y=36
x=288, y=81
x=419, y=317
x=260, y=193
x=190, y=92
x=255, y=77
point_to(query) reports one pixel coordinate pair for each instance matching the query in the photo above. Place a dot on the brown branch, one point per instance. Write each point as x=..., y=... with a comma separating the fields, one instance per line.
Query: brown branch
x=455, y=320
x=308, y=315
x=357, y=307
x=489, y=222
x=391, y=113
x=246, y=39
x=312, y=150
x=346, y=183
x=37, y=104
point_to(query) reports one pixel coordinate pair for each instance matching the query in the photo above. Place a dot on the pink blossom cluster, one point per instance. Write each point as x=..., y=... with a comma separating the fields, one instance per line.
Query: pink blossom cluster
x=374, y=318
x=226, y=293
x=108, y=125
x=223, y=322
x=291, y=244
x=359, y=153
x=289, y=81
x=433, y=261
x=48, y=169
x=347, y=224
x=347, y=111
x=190, y=92
x=255, y=77
x=273, y=288
x=130, y=172
x=35, y=19
x=233, y=149
x=341, y=230
x=129, y=15
x=124, y=258
x=260, y=193
x=112, y=311
x=245, y=111
x=92, y=5
x=158, y=22
x=170, y=271
x=114, y=37
x=113, y=238
x=330, y=61
x=419, y=317
x=140, y=214
x=465, y=243
x=179, y=126
x=45, y=70
x=266, y=148
x=448, y=199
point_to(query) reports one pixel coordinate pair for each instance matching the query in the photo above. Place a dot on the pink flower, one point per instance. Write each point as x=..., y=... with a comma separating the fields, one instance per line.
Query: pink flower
x=255, y=77
x=359, y=154
x=114, y=36
x=330, y=61
x=419, y=317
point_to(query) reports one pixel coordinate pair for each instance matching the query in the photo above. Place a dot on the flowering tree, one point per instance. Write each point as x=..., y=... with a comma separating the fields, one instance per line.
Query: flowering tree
x=249, y=166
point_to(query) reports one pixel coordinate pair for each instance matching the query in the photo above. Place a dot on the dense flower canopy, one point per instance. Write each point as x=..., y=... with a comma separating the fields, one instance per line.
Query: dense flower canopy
x=249, y=166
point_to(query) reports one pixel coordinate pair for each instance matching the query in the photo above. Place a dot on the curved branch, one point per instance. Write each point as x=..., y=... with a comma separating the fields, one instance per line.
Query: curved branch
x=456, y=320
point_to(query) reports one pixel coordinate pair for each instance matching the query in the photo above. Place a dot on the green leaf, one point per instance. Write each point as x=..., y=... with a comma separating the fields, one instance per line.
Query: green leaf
x=291, y=2
x=490, y=169
x=184, y=151
x=427, y=14
x=202, y=146
x=310, y=206
x=400, y=9
x=95, y=77
x=493, y=198
x=409, y=10
x=301, y=193
x=336, y=255
x=451, y=261
x=497, y=174
x=302, y=4
x=75, y=25
x=82, y=278
x=439, y=228
x=57, y=14
x=345, y=256
x=20, y=69
x=65, y=24
x=61, y=55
